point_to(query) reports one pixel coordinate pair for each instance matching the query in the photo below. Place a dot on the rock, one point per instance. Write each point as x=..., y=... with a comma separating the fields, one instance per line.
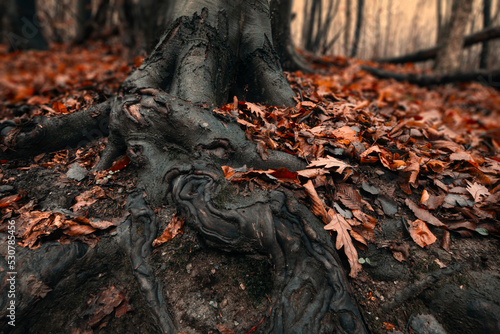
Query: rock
x=6, y=188
x=369, y=188
x=76, y=172
x=426, y=324
x=389, y=206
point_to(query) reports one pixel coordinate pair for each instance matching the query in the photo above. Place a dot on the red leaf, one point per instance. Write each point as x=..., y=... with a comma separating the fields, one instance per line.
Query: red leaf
x=283, y=173
x=59, y=107
x=120, y=164
x=8, y=200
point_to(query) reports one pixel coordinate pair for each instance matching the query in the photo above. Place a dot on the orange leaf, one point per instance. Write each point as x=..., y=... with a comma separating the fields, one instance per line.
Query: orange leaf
x=420, y=233
x=173, y=228
x=59, y=107
x=79, y=230
x=120, y=164
x=317, y=204
x=8, y=200
x=341, y=226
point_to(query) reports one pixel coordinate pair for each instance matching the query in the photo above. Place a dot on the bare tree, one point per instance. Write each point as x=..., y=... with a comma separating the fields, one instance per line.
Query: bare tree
x=448, y=57
x=357, y=32
x=347, y=31
x=483, y=58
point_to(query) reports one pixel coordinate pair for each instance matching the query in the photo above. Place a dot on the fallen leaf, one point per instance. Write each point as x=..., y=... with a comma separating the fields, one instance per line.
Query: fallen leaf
x=420, y=233
x=88, y=198
x=173, y=228
x=343, y=239
x=318, y=207
x=477, y=191
x=423, y=214
x=330, y=162
x=8, y=200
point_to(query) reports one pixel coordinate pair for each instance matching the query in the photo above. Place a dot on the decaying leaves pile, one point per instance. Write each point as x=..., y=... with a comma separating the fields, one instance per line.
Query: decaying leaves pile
x=437, y=149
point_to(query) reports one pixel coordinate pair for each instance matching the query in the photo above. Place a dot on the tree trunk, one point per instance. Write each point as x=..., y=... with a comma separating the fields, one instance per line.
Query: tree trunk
x=357, y=32
x=347, y=33
x=483, y=58
x=281, y=11
x=448, y=57
x=162, y=119
x=25, y=33
x=84, y=16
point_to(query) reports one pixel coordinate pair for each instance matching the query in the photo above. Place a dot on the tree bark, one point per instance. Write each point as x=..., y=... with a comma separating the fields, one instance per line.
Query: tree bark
x=163, y=120
x=427, y=54
x=448, y=56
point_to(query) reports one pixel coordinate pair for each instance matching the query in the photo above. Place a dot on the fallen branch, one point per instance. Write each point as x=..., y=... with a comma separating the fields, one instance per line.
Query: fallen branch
x=485, y=77
x=423, y=55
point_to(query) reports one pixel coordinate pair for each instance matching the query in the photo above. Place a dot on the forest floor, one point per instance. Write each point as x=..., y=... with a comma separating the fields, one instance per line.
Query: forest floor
x=408, y=178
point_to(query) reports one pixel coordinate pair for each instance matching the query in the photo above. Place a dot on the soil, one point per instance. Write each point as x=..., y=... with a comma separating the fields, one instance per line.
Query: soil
x=209, y=291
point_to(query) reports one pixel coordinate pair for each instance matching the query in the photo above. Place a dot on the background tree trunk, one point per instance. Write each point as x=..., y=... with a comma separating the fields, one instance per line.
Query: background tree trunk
x=25, y=32
x=347, y=34
x=281, y=16
x=83, y=19
x=357, y=32
x=448, y=57
x=483, y=58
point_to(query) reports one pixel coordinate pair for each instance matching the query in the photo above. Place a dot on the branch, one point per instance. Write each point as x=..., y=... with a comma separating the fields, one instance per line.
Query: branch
x=423, y=55
x=489, y=78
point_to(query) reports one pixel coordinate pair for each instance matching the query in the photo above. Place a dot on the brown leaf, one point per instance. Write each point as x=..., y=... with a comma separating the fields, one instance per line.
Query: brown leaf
x=88, y=198
x=173, y=228
x=318, y=207
x=477, y=191
x=349, y=196
x=420, y=233
x=330, y=162
x=8, y=200
x=423, y=214
x=445, y=241
x=223, y=329
x=343, y=239
x=79, y=230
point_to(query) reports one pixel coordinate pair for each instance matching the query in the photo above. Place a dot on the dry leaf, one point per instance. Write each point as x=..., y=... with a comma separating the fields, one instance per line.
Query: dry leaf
x=330, y=162
x=318, y=207
x=423, y=214
x=420, y=233
x=173, y=228
x=343, y=239
x=88, y=198
x=477, y=191
x=349, y=196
